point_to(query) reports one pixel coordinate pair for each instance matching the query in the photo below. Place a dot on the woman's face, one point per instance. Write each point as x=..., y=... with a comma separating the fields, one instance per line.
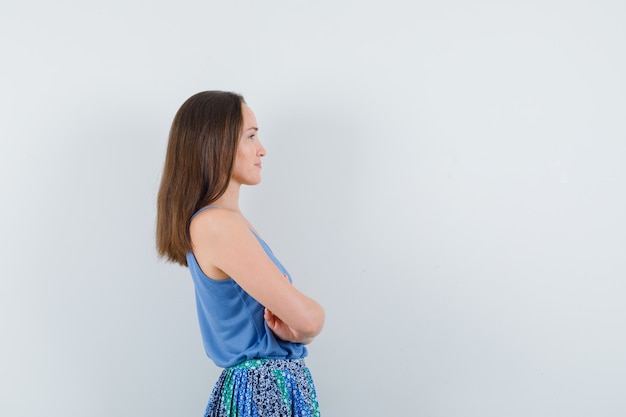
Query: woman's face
x=247, y=167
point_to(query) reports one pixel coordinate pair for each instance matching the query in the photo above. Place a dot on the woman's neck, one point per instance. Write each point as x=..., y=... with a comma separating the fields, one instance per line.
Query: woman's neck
x=230, y=198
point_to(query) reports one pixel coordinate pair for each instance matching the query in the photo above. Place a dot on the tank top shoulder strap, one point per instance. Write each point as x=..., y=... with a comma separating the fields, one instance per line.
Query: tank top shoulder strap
x=201, y=210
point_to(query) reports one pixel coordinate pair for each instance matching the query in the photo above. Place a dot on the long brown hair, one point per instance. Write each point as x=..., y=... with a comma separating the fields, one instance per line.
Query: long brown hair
x=199, y=161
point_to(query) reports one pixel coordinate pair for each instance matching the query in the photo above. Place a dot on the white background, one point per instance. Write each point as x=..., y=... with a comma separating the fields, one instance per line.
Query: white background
x=446, y=178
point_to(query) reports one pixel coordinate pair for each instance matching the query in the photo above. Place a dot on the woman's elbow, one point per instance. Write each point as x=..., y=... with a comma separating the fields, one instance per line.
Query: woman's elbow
x=314, y=323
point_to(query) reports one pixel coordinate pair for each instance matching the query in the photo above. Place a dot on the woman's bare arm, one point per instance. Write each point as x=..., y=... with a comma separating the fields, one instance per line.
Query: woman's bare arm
x=223, y=243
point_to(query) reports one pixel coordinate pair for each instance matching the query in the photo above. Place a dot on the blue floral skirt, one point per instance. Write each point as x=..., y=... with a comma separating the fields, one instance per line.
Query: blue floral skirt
x=264, y=388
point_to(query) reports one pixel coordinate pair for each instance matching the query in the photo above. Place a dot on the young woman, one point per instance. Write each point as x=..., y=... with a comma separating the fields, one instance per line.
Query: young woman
x=254, y=322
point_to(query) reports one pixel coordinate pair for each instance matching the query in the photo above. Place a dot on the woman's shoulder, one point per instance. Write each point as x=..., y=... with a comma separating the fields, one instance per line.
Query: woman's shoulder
x=214, y=233
x=215, y=217
x=216, y=221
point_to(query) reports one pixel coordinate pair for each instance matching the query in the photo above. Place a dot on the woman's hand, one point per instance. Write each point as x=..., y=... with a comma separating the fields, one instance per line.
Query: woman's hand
x=282, y=331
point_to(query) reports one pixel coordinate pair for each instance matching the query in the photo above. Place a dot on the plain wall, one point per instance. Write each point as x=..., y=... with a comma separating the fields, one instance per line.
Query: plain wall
x=447, y=178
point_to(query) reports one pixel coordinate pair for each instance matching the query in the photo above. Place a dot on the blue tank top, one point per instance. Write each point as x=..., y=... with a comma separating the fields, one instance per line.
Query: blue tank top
x=231, y=321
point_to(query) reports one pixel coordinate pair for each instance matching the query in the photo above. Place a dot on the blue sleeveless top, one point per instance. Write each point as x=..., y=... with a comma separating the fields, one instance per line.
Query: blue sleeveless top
x=231, y=321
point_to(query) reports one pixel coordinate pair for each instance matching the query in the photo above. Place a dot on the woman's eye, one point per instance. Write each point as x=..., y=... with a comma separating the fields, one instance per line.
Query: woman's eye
x=251, y=137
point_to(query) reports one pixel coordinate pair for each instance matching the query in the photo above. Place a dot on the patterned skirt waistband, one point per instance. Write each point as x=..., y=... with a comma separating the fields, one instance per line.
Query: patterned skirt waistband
x=269, y=363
